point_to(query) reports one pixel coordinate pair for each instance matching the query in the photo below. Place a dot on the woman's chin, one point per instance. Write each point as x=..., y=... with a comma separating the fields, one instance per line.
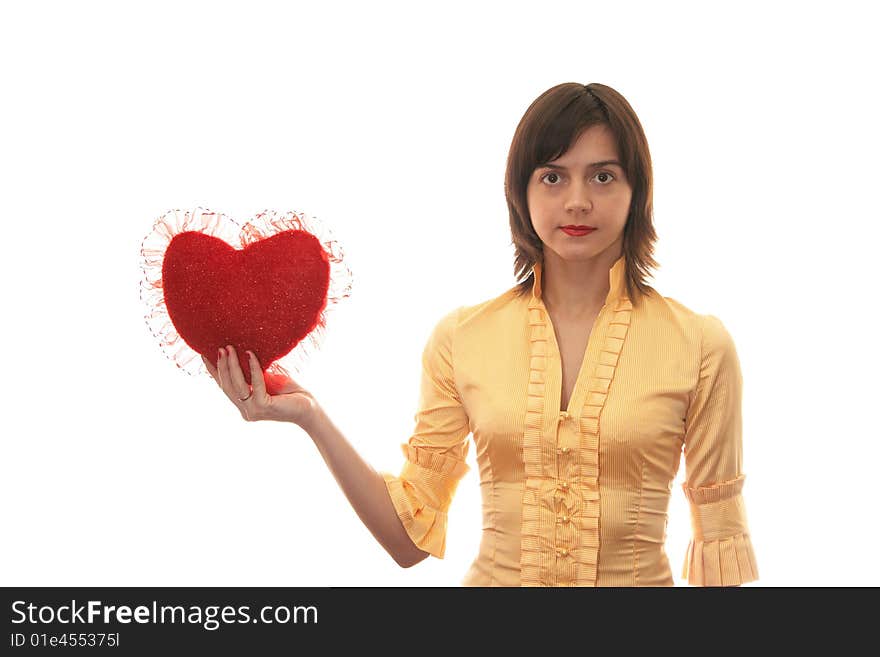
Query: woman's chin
x=572, y=253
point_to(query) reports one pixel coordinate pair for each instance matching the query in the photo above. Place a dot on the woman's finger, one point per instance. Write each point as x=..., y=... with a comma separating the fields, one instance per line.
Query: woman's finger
x=223, y=372
x=257, y=380
x=226, y=381
x=239, y=385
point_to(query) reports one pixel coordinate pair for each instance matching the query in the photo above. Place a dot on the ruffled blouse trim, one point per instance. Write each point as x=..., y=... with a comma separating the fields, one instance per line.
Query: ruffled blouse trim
x=541, y=558
x=438, y=462
x=720, y=552
x=425, y=525
x=715, y=492
x=422, y=494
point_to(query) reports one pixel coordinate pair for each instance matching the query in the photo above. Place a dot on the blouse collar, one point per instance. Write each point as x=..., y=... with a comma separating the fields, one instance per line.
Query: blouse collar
x=616, y=278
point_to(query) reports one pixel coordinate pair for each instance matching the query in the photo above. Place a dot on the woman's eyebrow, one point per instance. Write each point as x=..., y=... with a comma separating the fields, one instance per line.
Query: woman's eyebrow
x=601, y=163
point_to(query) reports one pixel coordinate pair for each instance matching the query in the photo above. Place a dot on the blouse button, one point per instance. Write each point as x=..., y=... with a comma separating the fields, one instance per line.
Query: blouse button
x=564, y=519
x=563, y=552
x=564, y=416
x=563, y=485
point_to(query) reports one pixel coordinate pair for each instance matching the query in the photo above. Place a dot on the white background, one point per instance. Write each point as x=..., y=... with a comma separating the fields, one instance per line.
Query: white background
x=391, y=123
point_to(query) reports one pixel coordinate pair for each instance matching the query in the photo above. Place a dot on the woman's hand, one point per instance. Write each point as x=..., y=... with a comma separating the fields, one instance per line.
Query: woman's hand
x=294, y=404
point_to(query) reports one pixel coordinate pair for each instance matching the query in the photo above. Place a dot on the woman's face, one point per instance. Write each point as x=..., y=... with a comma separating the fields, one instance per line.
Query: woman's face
x=582, y=189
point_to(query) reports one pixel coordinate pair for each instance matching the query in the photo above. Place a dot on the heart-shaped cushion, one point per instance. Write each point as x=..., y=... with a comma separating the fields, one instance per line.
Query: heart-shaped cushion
x=264, y=298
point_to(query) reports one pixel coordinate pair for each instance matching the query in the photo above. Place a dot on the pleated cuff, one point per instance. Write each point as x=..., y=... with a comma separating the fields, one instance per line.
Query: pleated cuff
x=720, y=552
x=422, y=495
x=725, y=562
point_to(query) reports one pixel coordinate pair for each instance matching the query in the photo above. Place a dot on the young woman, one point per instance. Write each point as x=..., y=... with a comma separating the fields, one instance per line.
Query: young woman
x=582, y=386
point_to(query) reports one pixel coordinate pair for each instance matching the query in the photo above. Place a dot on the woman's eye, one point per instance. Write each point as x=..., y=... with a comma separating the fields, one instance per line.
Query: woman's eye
x=546, y=177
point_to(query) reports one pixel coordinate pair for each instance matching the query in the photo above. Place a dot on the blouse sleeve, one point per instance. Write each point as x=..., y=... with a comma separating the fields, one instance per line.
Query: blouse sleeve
x=435, y=453
x=720, y=551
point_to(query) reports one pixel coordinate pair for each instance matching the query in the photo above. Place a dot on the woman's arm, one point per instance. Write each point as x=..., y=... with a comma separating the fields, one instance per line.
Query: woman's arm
x=364, y=487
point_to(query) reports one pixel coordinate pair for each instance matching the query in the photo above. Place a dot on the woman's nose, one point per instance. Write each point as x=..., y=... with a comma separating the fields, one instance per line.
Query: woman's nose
x=579, y=198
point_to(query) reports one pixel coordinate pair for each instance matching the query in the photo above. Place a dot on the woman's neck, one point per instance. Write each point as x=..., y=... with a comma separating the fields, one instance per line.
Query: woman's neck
x=576, y=289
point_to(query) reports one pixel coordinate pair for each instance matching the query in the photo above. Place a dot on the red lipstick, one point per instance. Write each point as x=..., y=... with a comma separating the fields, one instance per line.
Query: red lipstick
x=578, y=230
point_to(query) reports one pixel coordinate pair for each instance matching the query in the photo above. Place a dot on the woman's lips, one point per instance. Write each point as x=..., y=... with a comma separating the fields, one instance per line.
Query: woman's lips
x=570, y=230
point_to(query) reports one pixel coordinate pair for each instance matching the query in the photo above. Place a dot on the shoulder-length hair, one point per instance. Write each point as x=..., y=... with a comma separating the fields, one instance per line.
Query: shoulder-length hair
x=551, y=124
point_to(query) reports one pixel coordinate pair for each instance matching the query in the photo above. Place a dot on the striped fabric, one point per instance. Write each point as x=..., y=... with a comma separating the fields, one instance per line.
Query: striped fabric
x=578, y=496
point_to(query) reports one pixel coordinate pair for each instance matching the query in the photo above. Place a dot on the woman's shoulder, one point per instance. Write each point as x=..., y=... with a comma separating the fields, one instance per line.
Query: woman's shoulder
x=659, y=305
x=500, y=307
x=487, y=313
x=705, y=325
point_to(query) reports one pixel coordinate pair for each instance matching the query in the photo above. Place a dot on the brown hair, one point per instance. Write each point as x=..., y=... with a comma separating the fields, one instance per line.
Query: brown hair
x=548, y=128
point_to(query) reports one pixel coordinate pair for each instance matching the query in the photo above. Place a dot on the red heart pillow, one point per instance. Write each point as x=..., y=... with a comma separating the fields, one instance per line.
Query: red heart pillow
x=265, y=297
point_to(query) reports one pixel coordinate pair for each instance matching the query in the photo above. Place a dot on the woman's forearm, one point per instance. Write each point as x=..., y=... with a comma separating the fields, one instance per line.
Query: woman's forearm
x=365, y=489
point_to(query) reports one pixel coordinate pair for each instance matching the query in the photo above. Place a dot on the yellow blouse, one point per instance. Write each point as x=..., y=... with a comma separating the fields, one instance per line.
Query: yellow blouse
x=579, y=497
